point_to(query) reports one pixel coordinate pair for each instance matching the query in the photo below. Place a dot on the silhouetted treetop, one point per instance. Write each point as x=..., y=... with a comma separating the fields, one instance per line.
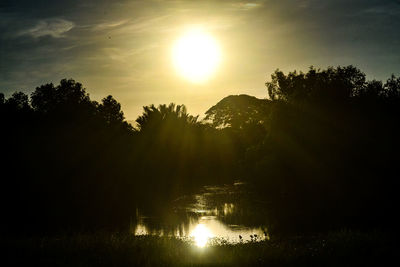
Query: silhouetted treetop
x=155, y=117
x=331, y=84
x=236, y=111
x=392, y=87
x=371, y=89
x=68, y=95
x=66, y=102
x=18, y=101
x=110, y=110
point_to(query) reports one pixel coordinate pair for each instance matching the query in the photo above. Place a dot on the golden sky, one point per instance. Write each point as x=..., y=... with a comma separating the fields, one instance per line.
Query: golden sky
x=124, y=48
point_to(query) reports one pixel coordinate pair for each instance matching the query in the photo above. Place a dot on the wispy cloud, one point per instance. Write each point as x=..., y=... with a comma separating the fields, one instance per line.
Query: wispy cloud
x=110, y=25
x=246, y=5
x=145, y=25
x=54, y=27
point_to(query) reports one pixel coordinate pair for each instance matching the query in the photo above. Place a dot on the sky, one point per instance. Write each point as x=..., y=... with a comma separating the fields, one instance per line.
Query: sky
x=123, y=47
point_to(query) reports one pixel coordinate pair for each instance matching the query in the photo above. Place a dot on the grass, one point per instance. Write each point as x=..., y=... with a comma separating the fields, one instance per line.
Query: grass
x=344, y=248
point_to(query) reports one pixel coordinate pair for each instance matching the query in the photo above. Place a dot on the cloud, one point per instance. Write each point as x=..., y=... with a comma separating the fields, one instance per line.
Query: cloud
x=55, y=28
x=145, y=24
x=110, y=25
x=246, y=5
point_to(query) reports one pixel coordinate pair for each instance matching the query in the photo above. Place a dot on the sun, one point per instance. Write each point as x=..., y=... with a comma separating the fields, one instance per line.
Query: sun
x=196, y=55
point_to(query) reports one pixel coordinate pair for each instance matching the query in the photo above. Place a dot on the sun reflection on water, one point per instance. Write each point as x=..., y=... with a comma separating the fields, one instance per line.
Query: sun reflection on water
x=141, y=229
x=201, y=235
x=211, y=218
x=206, y=230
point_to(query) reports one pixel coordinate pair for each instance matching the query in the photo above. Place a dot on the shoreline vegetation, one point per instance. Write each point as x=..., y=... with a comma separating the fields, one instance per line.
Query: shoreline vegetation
x=340, y=248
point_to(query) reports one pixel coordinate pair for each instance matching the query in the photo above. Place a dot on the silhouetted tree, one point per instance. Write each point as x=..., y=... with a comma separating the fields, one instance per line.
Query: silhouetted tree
x=332, y=84
x=243, y=117
x=331, y=138
x=19, y=101
x=238, y=111
x=153, y=117
x=110, y=110
x=70, y=165
x=392, y=87
x=66, y=95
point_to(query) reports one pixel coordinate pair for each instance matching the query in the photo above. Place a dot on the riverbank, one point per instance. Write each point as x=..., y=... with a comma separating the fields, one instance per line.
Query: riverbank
x=344, y=248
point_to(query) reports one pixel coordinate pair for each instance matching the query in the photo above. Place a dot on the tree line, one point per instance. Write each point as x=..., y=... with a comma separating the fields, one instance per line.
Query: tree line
x=321, y=152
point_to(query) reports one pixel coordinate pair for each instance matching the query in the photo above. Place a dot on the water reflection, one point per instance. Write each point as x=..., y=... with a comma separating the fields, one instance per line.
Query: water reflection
x=141, y=229
x=209, y=228
x=207, y=219
x=201, y=235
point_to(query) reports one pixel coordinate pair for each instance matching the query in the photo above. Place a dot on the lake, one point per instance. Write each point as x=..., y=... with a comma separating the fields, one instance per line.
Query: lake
x=214, y=215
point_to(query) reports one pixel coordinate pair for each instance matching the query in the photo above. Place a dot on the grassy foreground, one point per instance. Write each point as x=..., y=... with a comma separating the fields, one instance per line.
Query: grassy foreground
x=343, y=248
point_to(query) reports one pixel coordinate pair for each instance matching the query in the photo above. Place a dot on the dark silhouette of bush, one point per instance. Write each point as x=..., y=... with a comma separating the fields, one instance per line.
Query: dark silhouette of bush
x=65, y=161
x=329, y=159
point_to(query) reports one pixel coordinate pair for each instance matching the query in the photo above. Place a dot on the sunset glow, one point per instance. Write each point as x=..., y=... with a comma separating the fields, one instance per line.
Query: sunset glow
x=196, y=55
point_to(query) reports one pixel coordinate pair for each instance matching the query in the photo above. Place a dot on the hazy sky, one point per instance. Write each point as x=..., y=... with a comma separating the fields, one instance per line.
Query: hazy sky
x=123, y=47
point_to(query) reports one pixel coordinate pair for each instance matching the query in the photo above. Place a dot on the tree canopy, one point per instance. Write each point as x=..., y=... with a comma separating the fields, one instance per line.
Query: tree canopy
x=320, y=153
x=236, y=111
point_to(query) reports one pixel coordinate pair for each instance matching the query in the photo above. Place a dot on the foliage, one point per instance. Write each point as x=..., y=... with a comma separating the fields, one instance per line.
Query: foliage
x=332, y=84
x=321, y=154
x=238, y=111
x=329, y=158
x=153, y=118
x=65, y=156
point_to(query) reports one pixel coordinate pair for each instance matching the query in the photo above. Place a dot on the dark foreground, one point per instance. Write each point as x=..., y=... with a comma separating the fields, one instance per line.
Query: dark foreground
x=343, y=248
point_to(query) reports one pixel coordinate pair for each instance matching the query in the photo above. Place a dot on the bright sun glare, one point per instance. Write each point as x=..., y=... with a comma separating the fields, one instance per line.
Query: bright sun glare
x=201, y=235
x=196, y=55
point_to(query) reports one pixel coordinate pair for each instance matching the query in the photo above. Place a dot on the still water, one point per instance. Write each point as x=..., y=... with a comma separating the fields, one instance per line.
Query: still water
x=217, y=214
